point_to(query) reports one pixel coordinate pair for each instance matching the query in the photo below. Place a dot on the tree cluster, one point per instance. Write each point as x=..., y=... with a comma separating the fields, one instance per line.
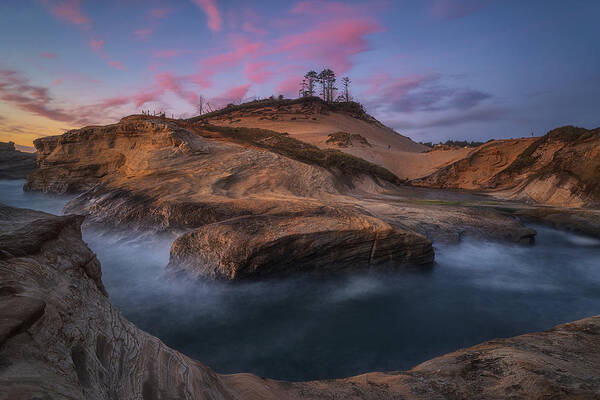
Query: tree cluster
x=326, y=81
x=456, y=143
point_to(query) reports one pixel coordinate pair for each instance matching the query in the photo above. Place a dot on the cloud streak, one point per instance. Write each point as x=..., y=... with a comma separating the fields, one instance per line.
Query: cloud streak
x=68, y=11
x=421, y=93
x=16, y=89
x=97, y=46
x=212, y=13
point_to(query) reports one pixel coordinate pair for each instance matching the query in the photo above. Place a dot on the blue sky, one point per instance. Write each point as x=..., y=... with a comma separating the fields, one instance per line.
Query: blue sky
x=431, y=69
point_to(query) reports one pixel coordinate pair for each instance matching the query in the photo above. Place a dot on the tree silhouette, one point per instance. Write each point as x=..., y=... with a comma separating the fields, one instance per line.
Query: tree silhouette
x=307, y=88
x=346, y=95
x=326, y=79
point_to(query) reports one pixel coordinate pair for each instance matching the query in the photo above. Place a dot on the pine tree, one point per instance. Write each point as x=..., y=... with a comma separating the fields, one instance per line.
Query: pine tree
x=311, y=79
x=346, y=95
x=327, y=81
x=303, y=88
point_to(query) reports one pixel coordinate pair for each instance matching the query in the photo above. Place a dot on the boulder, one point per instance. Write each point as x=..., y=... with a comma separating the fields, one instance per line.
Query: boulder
x=268, y=245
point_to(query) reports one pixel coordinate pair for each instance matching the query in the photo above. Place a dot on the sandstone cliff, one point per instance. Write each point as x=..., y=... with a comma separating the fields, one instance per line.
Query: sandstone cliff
x=167, y=175
x=60, y=338
x=560, y=168
x=15, y=164
x=164, y=175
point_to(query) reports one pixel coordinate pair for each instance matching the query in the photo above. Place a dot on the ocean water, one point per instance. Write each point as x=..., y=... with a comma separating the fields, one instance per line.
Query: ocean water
x=316, y=328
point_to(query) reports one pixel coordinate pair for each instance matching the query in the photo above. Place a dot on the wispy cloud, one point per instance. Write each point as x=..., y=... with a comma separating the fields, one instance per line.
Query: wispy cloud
x=209, y=7
x=68, y=11
x=426, y=92
x=97, y=46
x=167, y=53
x=234, y=94
x=143, y=33
x=259, y=72
x=16, y=89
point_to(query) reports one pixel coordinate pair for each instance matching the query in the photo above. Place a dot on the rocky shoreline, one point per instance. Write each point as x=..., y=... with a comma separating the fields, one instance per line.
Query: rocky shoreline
x=277, y=195
x=61, y=338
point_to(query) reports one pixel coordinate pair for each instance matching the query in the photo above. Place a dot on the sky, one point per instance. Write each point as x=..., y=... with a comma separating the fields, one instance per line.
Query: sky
x=431, y=69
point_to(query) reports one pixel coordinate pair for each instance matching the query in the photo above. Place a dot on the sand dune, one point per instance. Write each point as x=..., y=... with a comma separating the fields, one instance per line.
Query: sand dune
x=314, y=124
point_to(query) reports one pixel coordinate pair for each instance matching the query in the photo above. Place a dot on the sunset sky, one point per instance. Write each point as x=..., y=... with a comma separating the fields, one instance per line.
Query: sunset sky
x=431, y=69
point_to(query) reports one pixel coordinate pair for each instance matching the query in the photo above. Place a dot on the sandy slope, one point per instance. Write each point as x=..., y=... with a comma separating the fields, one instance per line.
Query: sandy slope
x=385, y=147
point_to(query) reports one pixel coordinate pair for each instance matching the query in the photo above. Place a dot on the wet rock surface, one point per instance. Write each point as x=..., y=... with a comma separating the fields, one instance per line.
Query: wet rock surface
x=265, y=246
x=60, y=338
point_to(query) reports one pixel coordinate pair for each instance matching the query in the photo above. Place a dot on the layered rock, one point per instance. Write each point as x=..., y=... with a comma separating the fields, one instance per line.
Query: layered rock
x=561, y=168
x=167, y=175
x=15, y=164
x=59, y=335
x=260, y=246
x=60, y=338
x=586, y=222
x=158, y=174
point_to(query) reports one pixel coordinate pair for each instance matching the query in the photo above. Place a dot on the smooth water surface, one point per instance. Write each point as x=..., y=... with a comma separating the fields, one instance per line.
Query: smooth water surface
x=310, y=328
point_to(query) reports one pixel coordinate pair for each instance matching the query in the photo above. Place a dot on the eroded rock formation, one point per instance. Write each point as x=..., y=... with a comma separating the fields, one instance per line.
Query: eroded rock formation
x=561, y=168
x=262, y=246
x=15, y=164
x=60, y=338
x=164, y=175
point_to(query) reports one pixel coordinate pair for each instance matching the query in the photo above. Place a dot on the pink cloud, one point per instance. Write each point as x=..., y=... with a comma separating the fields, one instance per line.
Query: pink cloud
x=96, y=45
x=176, y=84
x=332, y=43
x=165, y=53
x=251, y=27
x=232, y=95
x=212, y=12
x=116, y=65
x=250, y=21
x=69, y=11
x=257, y=72
x=16, y=90
x=210, y=66
x=143, y=33
x=320, y=8
x=49, y=55
x=383, y=85
x=148, y=96
x=289, y=87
